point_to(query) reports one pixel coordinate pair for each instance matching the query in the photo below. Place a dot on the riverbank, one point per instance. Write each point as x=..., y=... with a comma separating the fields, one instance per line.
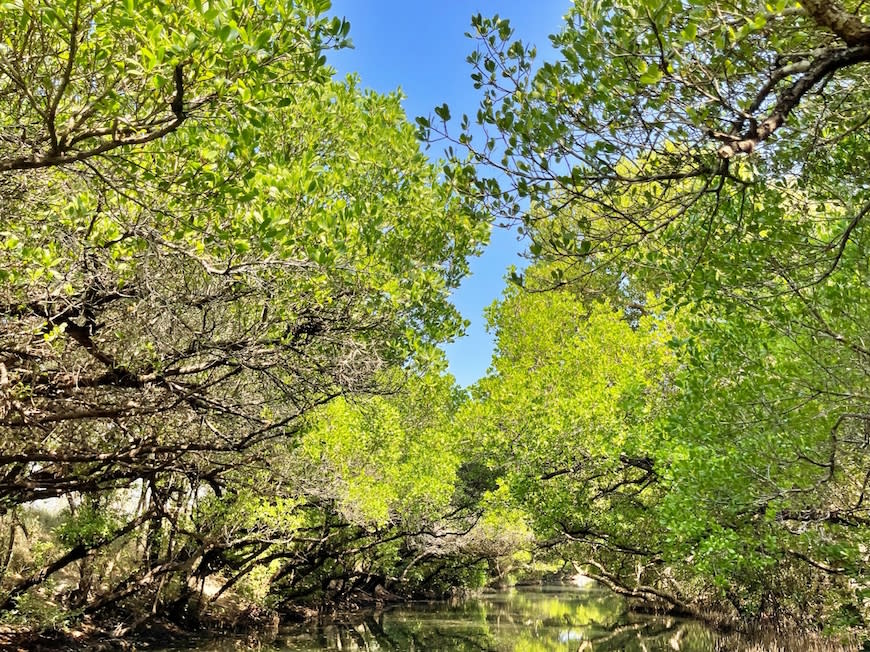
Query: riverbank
x=553, y=616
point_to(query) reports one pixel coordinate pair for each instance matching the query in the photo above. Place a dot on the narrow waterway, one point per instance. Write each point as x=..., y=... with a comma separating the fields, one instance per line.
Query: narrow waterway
x=531, y=619
x=527, y=619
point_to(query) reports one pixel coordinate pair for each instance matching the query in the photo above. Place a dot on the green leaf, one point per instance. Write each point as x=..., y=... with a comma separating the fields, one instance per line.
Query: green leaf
x=443, y=112
x=652, y=75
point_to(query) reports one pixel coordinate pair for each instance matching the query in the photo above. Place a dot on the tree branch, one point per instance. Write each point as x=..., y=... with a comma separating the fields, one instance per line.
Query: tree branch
x=831, y=14
x=153, y=130
x=834, y=59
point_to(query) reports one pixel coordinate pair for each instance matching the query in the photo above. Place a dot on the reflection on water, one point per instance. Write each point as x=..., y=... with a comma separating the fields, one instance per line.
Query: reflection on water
x=524, y=620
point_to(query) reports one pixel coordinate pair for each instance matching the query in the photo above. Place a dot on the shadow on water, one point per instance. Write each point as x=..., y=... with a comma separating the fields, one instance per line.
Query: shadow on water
x=522, y=620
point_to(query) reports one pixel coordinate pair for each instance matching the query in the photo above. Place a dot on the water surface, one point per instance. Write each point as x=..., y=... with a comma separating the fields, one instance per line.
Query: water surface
x=535, y=619
x=525, y=619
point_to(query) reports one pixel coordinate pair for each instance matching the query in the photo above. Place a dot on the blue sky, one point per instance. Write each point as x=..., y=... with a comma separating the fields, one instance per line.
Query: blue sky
x=420, y=47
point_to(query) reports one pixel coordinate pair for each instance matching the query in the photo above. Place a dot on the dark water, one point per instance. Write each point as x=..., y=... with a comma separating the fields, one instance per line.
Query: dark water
x=522, y=620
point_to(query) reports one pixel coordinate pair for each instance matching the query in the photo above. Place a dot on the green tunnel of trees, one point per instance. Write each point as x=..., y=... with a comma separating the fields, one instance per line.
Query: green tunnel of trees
x=225, y=276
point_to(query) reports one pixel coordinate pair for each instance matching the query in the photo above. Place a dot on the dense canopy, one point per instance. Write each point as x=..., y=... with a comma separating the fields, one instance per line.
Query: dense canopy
x=702, y=168
x=224, y=276
x=204, y=239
